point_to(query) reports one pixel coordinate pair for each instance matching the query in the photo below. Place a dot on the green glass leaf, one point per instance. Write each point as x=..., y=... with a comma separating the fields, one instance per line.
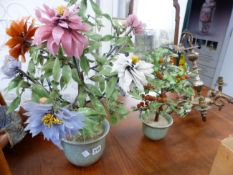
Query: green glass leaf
x=101, y=59
x=94, y=45
x=107, y=71
x=66, y=76
x=98, y=106
x=41, y=60
x=189, y=91
x=38, y=92
x=14, y=104
x=22, y=85
x=71, y=2
x=54, y=95
x=14, y=83
x=94, y=36
x=48, y=66
x=135, y=93
x=84, y=64
x=54, y=84
x=75, y=76
x=113, y=119
x=83, y=8
x=122, y=110
x=127, y=49
x=96, y=77
x=155, y=105
x=56, y=70
x=34, y=53
x=31, y=67
x=81, y=97
x=62, y=83
x=88, y=111
x=102, y=85
x=115, y=95
x=108, y=17
x=107, y=38
x=95, y=8
x=122, y=41
x=94, y=90
x=91, y=130
x=111, y=86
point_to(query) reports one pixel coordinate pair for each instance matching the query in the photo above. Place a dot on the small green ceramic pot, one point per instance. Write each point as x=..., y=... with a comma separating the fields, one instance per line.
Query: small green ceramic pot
x=85, y=153
x=157, y=132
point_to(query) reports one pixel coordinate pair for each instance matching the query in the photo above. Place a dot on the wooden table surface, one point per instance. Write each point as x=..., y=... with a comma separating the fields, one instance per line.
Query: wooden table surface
x=188, y=149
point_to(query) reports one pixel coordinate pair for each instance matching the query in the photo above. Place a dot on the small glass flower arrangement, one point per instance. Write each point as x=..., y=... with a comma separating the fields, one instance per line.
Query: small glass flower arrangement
x=168, y=91
x=64, y=46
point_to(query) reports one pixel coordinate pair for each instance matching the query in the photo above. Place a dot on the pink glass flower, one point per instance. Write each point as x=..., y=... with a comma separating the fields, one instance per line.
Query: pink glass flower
x=133, y=22
x=62, y=27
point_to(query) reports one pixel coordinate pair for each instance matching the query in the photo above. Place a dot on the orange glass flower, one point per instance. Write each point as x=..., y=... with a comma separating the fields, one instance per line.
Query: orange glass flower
x=21, y=37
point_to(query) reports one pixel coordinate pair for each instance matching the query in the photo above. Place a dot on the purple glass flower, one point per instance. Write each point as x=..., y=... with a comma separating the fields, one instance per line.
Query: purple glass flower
x=10, y=66
x=54, y=126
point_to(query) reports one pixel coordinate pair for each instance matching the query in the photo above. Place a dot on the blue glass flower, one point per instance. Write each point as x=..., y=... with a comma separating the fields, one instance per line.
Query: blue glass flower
x=10, y=66
x=54, y=126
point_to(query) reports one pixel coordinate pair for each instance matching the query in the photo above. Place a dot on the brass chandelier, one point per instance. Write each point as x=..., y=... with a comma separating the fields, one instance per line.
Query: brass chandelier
x=201, y=102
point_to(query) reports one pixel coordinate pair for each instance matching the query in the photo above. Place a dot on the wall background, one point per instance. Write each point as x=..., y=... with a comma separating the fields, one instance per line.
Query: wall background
x=160, y=16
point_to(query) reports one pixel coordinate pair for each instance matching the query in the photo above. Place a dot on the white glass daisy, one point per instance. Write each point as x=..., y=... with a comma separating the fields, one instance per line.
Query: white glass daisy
x=132, y=71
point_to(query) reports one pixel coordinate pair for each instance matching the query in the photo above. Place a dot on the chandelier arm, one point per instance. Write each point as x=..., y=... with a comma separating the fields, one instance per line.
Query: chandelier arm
x=227, y=98
x=218, y=102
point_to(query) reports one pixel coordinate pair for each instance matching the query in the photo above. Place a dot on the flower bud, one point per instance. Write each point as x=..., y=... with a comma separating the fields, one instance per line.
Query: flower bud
x=43, y=100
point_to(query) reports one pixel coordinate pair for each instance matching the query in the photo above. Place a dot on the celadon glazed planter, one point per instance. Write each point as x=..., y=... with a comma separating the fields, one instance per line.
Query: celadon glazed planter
x=157, y=132
x=85, y=153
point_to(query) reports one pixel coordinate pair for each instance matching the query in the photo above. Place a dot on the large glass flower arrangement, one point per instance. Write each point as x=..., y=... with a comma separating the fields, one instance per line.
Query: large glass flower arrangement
x=64, y=46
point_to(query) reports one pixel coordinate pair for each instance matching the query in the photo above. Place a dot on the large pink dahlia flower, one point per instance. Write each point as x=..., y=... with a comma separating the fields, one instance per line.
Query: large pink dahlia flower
x=62, y=27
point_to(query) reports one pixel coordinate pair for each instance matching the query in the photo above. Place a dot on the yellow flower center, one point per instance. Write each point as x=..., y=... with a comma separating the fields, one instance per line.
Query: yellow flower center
x=135, y=59
x=60, y=9
x=50, y=119
x=33, y=21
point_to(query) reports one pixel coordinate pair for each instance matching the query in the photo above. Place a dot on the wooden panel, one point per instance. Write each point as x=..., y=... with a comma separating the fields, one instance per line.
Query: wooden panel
x=4, y=168
x=223, y=163
x=188, y=149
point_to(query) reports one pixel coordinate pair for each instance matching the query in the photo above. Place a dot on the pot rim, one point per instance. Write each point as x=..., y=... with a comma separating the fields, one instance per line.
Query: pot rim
x=161, y=127
x=106, y=131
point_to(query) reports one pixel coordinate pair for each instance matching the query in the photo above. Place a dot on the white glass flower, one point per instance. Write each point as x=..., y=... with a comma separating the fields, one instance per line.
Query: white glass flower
x=132, y=70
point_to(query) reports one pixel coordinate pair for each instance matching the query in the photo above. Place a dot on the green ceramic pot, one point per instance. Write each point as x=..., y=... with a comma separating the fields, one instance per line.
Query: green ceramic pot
x=85, y=153
x=157, y=132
